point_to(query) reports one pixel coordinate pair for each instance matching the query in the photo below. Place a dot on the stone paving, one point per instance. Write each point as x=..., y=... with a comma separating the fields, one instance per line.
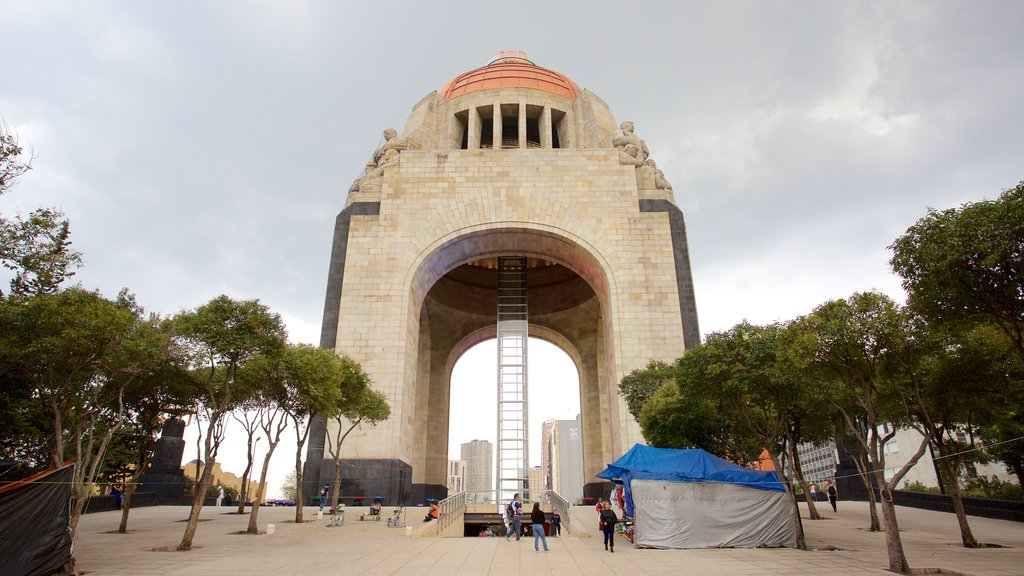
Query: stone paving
x=931, y=540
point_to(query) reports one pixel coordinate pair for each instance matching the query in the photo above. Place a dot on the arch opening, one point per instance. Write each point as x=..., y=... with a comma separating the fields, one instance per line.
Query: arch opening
x=554, y=394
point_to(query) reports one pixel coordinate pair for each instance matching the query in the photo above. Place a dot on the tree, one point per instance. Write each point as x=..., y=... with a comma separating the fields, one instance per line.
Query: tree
x=358, y=404
x=641, y=384
x=312, y=381
x=38, y=251
x=158, y=387
x=69, y=348
x=266, y=378
x=289, y=486
x=218, y=337
x=743, y=372
x=966, y=265
x=672, y=419
x=972, y=380
x=853, y=343
x=12, y=164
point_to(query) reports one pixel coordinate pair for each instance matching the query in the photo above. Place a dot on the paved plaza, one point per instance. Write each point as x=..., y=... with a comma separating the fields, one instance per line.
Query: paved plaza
x=931, y=540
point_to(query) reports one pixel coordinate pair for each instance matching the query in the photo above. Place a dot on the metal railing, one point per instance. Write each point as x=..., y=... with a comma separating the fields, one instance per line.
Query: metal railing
x=560, y=504
x=450, y=510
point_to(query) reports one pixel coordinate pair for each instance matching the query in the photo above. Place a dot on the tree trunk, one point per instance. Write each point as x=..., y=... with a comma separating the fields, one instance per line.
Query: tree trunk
x=893, y=543
x=81, y=492
x=865, y=477
x=798, y=473
x=800, y=541
x=298, y=485
x=952, y=469
x=243, y=490
x=126, y=505
x=1019, y=471
x=336, y=487
x=254, y=515
x=58, y=434
x=200, y=494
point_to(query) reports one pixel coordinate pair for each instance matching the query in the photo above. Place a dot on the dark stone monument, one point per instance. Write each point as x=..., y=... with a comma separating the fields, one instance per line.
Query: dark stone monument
x=164, y=477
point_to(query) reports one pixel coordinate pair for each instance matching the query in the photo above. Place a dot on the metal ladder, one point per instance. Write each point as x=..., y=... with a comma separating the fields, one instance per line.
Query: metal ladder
x=513, y=332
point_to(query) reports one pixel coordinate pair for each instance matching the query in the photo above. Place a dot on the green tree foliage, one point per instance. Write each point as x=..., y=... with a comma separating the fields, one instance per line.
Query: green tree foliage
x=38, y=250
x=311, y=380
x=640, y=384
x=358, y=404
x=966, y=265
x=12, y=161
x=73, y=350
x=289, y=486
x=217, y=338
x=852, y=346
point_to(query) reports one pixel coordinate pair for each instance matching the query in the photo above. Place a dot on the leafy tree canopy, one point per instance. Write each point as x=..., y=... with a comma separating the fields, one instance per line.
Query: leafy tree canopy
x=966, y=265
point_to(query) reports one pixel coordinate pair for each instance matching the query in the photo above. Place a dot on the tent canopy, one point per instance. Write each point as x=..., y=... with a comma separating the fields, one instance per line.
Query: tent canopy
x=691, y=499
x=693, y=465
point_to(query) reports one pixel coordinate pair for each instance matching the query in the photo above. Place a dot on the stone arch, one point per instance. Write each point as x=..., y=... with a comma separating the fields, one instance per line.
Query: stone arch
x=572, y=312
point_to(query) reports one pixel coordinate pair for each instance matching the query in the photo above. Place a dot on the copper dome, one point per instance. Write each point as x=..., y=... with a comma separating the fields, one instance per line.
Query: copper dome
x=511, y=70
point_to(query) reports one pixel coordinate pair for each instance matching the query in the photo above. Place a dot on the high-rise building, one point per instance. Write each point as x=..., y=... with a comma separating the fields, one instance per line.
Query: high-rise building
x=456, y=476
x=536, y=484
x=545, y=452
x=567, y=459
x=478, y=457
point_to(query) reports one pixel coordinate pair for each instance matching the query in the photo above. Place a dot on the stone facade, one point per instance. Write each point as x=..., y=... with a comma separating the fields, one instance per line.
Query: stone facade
x=410, y=290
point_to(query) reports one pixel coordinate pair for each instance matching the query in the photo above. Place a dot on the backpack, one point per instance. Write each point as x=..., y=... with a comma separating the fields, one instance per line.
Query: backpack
x=509, y=510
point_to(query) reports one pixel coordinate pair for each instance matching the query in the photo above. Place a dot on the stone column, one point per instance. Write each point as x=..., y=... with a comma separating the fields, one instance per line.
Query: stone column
x=473, y=140
x=522, y=123
x=497, y=126
x=545, y=128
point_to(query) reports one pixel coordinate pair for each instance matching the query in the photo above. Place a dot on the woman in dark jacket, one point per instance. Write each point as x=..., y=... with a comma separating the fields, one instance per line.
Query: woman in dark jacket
x=608, y=521
x=537, y=517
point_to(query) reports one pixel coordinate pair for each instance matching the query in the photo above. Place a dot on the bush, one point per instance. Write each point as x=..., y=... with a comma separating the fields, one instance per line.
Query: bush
x=992, y=487
x=917, y=486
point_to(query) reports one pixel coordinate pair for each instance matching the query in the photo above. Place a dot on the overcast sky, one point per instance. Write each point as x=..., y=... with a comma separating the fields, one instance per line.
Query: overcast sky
x=201, y=148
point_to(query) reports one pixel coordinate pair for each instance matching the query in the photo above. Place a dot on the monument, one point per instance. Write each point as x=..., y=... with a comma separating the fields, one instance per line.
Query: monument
x=510, y=162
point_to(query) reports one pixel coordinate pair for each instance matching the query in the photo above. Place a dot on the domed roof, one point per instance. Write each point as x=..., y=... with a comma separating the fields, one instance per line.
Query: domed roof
x=511, y=70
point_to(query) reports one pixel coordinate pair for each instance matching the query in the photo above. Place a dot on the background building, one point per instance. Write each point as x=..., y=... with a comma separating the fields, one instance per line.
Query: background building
x=546, y=446
x=478, y=458
x=456, y=476
x=567, y=459
x=535, y=481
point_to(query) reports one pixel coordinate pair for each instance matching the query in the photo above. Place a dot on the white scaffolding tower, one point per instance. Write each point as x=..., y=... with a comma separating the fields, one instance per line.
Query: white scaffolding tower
x=513, y=333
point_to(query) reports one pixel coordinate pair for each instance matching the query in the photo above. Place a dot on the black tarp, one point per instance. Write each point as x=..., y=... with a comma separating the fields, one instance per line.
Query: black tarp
x=34, y=515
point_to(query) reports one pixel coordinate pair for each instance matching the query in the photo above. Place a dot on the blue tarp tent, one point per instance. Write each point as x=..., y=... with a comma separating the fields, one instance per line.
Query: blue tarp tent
x=693, y=499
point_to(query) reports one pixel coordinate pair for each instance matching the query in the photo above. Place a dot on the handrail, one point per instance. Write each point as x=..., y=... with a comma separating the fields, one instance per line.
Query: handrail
x=450, y=510
x=560, y=504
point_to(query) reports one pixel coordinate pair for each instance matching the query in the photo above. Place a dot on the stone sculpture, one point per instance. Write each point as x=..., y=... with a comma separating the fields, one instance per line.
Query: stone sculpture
x=383, y=157
x=660, y=182
x=625, y=135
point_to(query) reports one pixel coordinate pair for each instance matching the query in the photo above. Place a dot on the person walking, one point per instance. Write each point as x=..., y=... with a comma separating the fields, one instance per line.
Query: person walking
x=517, y=516
x=608, y=521
x=832, y=492
x=537, y=517
x=220, y=495
x=814, y=493
x=556, y=523
x=324, y=492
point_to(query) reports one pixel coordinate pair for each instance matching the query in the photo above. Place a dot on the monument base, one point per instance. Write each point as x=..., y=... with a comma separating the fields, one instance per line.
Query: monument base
x=362, y=480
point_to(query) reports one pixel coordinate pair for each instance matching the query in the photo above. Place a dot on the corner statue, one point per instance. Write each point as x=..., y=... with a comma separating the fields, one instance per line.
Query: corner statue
x=383, y=157
x=633, y=151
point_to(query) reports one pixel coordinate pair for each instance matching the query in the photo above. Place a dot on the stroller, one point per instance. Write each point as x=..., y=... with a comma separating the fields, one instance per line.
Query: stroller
x=338, y=518
x=374, y=513
x=395, y=520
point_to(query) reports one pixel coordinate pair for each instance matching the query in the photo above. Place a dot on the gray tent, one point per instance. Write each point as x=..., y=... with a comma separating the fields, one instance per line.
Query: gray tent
x=691, y=499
